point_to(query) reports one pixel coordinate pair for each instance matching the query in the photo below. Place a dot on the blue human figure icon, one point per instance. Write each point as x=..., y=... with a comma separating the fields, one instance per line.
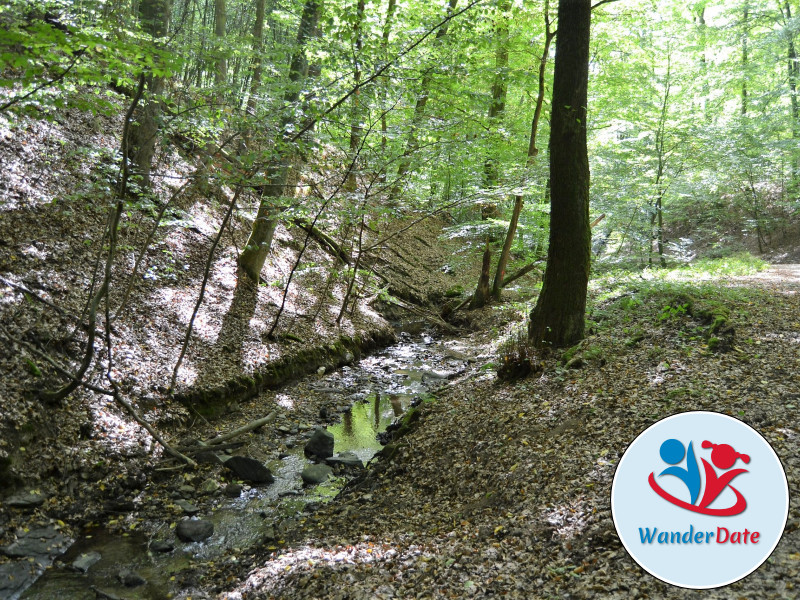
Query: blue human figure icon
x=672, y=452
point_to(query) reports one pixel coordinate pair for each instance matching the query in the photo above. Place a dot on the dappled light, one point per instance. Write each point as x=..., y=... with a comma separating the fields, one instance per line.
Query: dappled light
x=353, y=299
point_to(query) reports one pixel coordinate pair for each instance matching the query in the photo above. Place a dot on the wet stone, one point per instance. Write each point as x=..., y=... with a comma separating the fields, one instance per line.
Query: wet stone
x=40, y=542
x=194, y=530
x=315, y=474
x=187, y=507
x=320, y=444
x=162, y=546
x=130, y=578
x=346, y=459
x=16, y=576
x=85, y=561
x=233, y=490
x=25, y=500
x=249, y=469
x=209, y=486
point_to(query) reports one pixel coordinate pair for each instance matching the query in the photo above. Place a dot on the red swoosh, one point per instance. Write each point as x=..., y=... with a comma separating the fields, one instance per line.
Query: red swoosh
x=737, y=508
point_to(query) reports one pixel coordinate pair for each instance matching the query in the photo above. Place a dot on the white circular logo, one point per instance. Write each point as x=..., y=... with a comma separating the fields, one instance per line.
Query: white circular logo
x=699, y=500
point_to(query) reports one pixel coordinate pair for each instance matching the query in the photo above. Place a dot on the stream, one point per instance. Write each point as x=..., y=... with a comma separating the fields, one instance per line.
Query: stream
x=371, y=395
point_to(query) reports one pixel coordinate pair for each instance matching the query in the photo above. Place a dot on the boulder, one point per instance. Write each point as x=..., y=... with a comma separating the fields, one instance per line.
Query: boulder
x=315, y=474
x=346, y=459
x=320, y=444
x=194, y=530
x=249, y=469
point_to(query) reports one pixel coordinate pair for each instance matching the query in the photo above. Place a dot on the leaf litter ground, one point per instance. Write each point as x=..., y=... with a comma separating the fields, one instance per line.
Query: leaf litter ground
x=503, y=489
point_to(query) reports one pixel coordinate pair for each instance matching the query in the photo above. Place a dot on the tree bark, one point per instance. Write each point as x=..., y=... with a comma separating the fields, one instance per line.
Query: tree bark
x=794, y=77
x=220, y=23
x=497, y=105
x=558, y=317
x=505, y=253
x=745, y=19
x=481, y=295
x=412, y=144
x=355, y=125
x=154, y=16
x=387, y=29
x=270, y=206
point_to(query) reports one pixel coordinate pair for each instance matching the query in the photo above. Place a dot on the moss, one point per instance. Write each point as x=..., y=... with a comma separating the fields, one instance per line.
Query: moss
x=454, y=292
x=714, y=343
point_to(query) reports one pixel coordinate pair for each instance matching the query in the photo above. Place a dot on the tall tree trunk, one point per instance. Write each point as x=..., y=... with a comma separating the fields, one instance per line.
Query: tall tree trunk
x=220, y=22
x=154, y=15
x=258, y=68
x=412, y=144
x=700, y=20
x=745, y=33
x=794, y=77
x=505, y=253
x=387, y=29
x=255, y=252
x=558, y=317
x=355, y=125
x=657, y=216
x=497, y=106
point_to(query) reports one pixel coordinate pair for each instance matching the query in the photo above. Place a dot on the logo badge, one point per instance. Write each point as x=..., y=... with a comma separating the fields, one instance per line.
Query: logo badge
x=699, y=500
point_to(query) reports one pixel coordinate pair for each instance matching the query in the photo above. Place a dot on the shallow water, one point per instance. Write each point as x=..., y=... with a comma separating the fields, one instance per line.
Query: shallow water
x=401, y=372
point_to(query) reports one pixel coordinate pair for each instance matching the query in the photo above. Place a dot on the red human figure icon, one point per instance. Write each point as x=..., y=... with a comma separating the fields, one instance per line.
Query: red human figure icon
x=724, y=457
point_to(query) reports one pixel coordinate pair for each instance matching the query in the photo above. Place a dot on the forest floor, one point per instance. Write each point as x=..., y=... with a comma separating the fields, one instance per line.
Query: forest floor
x=503, y=489
x=500, y=488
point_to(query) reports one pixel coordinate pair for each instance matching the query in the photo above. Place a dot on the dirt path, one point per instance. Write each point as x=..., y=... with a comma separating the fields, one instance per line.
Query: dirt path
x=778, y=277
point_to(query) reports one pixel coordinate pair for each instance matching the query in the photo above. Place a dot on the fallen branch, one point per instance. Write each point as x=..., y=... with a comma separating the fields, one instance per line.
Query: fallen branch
x=212, y=448
x=326, y=241
x=425, y=314
x=244, y=429
x=523, y=271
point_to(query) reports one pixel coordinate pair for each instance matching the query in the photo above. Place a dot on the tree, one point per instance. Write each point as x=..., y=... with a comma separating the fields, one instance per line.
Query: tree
x=155, y=15
x=558, y=317
x=252, y=258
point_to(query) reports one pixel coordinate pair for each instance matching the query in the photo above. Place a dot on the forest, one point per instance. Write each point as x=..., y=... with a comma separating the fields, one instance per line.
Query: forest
x=354, y=299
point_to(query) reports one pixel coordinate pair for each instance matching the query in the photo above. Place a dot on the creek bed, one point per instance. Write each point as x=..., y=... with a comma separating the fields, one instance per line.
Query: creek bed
x=374, y=392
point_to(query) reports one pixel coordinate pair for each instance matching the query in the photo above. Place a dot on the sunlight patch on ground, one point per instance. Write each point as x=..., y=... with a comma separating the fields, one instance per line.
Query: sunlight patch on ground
x=116, y=432
x=569, y=519
x=308, y=559
x=284, y=401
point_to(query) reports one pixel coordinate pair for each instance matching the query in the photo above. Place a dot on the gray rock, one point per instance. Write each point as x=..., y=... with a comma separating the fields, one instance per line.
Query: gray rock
x=194, y=530
x=189, y=508
x=25, y=500
x=320, y=444
x=85, y=561
x=315, y=474
x=37, y=543
x=130, y=578
x=15, y=576
x=187, y=490
x=346, y=459
x=162, y=546
x=249, y=469
x=209, y=486
x=233, y=490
